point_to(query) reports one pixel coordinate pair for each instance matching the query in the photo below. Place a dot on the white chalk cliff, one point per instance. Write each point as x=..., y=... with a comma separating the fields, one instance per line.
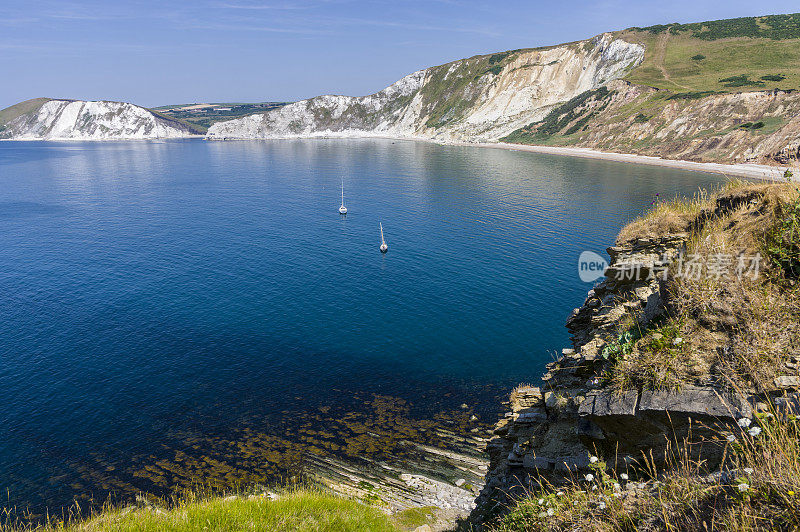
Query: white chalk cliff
x=84, y=120
x=482, y=98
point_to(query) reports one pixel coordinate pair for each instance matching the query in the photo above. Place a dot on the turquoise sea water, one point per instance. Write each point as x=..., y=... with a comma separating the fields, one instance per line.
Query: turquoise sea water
x=149, y=288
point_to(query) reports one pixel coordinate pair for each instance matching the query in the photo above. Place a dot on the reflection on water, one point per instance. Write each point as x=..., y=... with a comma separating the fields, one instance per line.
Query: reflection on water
x=165, y=304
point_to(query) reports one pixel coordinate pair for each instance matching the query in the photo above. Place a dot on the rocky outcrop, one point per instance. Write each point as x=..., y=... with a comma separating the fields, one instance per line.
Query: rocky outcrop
x=593, y=404
x=481, y=98
x=84, y=120
x=445, y=478
x=553, y=431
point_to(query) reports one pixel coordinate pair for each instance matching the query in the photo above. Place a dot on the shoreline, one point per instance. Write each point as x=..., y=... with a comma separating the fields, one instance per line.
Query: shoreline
x=111, y=139
x=753, y=171
x=746, y=170
x=750, y=171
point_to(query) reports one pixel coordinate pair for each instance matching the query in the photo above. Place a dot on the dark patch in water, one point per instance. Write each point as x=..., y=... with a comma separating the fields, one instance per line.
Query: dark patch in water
x=19, y=209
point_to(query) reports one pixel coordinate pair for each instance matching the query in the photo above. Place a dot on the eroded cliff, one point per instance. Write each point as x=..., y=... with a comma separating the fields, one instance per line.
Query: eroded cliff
x=759, y=126
x=478, y=99
x=44, y=119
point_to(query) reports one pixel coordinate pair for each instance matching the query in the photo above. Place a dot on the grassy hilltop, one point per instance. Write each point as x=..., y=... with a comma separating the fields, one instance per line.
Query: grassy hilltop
x=28, y=106
x=733, y=55
x=722, y=90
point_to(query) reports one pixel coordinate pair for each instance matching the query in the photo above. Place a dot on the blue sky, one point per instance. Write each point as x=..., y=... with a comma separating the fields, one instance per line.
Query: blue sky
x=162, y=52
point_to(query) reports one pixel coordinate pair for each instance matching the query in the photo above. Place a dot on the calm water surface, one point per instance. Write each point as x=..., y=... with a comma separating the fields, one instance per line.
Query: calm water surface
x=149, y=289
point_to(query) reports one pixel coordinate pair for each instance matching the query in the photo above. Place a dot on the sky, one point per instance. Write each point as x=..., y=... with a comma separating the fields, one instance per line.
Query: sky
x=152, y=53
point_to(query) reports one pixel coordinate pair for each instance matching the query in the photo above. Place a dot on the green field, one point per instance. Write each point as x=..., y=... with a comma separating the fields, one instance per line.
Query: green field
x=201, y=120
x=733, y=55
x=28, y=106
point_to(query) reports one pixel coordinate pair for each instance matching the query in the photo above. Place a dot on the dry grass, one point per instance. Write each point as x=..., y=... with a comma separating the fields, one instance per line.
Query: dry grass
x=736, y=328
x=753, y=322
x=757, y=489
x=664, y=218
x=675, y=216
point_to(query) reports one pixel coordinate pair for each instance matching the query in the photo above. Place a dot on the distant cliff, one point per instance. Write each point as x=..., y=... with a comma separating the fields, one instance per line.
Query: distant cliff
x=718, y=91
x=45, y=119
x=478, y=99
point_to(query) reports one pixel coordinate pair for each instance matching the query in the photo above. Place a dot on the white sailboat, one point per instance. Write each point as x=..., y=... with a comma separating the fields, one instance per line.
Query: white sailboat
x=384, y=247
x=342, y=209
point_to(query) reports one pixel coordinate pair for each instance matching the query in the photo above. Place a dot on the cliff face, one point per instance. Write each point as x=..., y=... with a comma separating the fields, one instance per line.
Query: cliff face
x=480, y=98
x=84, y=120
x=661, y=360
x=553, y=431
x=759, y=126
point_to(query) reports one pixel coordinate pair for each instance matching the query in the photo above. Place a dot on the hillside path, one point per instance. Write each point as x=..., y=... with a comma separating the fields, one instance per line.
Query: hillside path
x=660, y=54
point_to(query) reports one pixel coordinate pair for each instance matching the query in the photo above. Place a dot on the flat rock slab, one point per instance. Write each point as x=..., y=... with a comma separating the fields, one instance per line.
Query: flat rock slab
x=609, y=403
x=689, y=401
x=695, y=401
x=787, y=382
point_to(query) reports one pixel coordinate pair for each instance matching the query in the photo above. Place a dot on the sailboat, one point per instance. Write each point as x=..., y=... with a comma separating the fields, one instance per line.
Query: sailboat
x=384, y=247
x=342, y=209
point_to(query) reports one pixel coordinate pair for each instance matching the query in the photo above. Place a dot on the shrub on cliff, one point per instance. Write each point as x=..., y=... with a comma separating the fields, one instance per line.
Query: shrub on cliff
x=783, y=240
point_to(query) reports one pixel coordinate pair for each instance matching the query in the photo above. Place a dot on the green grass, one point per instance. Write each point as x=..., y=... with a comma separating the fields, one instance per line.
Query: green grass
x=575, y=112
x=199, y=122
x=692, y=95
x=28, y=106
x=767, y=125
x=682, y=62
x=415, y=517
x=776, y=27
x=299, y=510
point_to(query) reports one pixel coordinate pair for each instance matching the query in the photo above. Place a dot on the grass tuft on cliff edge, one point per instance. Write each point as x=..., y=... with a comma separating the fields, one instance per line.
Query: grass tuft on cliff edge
x=301, y=509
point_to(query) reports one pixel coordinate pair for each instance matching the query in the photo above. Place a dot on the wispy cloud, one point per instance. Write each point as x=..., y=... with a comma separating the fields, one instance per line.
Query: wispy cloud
x=416, y=26
x=81, y=48
x=234, y=26
x=5, y=21
x=265, y=7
